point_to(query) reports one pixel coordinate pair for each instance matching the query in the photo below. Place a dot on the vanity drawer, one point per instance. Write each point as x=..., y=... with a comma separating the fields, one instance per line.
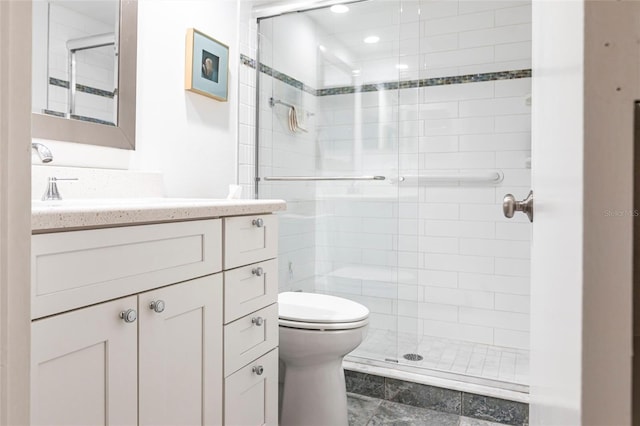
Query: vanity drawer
x=79, y=268
x=245, y=340
x=249, y=288
x=251, y=399
x=250, y=239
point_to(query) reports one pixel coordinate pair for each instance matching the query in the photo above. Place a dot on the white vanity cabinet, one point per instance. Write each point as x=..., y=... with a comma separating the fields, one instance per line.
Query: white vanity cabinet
x=142, y=325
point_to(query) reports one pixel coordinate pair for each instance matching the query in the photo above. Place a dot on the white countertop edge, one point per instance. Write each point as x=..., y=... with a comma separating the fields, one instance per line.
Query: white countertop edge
x=88, y=214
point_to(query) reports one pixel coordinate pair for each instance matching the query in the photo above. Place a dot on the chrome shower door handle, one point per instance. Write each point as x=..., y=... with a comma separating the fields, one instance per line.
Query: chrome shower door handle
x=510, y=205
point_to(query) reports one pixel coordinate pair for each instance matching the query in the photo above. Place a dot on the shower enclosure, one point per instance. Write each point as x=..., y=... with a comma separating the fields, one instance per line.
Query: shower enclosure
x=393, y=129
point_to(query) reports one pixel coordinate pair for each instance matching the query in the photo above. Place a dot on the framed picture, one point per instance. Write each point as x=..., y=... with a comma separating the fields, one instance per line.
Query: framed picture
x=207, y=66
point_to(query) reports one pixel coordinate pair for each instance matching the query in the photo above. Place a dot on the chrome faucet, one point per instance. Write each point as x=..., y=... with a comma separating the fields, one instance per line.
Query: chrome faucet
x=52, y=189
x=43, y=152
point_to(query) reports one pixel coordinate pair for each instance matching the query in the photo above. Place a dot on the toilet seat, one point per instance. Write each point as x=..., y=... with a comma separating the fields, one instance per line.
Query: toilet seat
x=312, y=311
x=322, y=326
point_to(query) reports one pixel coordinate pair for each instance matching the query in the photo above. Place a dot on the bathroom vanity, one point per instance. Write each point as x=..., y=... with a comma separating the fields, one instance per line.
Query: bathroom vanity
x=154, y=312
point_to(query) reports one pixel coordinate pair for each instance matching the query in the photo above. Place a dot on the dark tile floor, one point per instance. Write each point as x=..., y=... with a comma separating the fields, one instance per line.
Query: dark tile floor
x=367, y=411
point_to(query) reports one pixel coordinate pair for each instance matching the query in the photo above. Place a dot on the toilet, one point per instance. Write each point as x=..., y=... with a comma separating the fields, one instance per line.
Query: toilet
x=316, y=332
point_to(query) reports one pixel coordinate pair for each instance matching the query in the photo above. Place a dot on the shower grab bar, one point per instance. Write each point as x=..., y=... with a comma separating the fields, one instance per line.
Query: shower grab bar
x=318, y=178
x=487, y=176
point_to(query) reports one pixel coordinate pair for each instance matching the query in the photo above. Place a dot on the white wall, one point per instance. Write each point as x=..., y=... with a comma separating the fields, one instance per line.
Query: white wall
x=189, y=138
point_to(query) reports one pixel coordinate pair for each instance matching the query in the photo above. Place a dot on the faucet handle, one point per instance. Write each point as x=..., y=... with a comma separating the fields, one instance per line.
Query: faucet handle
x=52, y=189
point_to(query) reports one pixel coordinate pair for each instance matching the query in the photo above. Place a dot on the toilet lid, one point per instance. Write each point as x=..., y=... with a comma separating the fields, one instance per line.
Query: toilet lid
x=319, y=308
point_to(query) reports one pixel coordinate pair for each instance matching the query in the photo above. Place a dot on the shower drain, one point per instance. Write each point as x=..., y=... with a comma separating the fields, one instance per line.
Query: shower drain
x=412, y=357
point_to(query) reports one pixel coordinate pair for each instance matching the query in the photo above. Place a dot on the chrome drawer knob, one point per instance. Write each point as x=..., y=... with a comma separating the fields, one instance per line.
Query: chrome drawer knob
x=257, y=271
x=258, y=222
x=130, y=315
x=257, y=321
x=258, y=369
x=157, y=306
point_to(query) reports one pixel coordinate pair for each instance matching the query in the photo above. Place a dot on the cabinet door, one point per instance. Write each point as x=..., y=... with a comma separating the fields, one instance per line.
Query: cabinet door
x=180, y=349
x=251, y=393
x=83, y=367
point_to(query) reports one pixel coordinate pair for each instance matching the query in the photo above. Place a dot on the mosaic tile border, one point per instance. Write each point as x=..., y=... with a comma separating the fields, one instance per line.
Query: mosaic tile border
x=78, y=117
x=247, y=61
x=427, y=82
x=439, y=399
x=265, y=69
x=81, y=88
x=391, y=85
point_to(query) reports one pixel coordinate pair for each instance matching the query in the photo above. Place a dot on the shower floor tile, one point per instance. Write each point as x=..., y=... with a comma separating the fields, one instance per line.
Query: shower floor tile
x=460, y=357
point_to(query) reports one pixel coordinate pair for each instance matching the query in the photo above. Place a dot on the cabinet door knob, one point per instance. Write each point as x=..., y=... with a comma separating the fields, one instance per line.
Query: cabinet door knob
x=130, y=315
x=258, y=369
x=257, y=271
x=157, y=306
x=258, y=222
x=257, y=321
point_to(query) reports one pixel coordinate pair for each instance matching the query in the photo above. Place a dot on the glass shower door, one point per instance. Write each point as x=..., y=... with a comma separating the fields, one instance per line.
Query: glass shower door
x=329, y=145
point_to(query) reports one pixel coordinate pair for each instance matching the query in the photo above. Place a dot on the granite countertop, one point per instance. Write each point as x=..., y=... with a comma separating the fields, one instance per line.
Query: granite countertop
x=66, y=215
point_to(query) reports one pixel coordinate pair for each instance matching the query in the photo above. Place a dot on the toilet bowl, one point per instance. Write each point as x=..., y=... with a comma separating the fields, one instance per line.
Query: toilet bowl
x=316, y=332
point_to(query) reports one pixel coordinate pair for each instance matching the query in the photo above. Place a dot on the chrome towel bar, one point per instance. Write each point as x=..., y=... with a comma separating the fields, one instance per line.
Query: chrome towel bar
x=316, y=178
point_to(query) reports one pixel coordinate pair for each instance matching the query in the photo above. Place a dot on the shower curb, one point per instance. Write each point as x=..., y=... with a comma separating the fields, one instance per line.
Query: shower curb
x=439, y=399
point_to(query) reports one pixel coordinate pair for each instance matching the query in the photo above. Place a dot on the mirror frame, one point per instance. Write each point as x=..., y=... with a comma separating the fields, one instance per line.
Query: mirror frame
x=123, y=135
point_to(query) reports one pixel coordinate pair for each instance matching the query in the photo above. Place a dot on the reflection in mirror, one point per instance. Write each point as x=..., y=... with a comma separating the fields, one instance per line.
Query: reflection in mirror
x=81, y=61
x=84, y=54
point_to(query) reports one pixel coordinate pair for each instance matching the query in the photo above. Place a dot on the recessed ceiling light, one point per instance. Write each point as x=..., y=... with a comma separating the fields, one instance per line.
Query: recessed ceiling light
x=402, y=66
x=372, y=39
x=355, y=72
x=339, y=8
x=322, y=48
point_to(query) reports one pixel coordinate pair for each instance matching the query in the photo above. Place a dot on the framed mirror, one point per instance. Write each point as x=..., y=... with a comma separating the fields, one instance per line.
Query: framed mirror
x=84, y=71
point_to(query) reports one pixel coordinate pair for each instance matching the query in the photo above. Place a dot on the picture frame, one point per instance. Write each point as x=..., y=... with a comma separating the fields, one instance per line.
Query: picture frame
x=207, y=66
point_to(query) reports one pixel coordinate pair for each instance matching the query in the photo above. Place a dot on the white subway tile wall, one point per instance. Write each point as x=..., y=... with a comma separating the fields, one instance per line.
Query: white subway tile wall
x=434, y=262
